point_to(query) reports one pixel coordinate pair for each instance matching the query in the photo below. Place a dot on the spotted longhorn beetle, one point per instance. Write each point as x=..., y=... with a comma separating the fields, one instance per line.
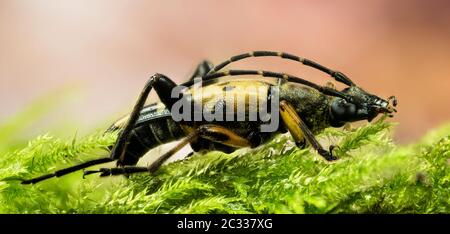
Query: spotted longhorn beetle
x=305, y=109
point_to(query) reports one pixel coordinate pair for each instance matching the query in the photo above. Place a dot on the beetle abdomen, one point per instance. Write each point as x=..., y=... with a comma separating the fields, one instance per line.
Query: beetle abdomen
x=148, y=136
x=155, y=127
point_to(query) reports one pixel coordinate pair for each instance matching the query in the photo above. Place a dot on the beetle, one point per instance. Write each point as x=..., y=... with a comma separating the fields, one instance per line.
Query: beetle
x=305, y=109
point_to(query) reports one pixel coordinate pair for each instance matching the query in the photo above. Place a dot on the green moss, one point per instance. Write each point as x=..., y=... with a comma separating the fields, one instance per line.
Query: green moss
x=373, y=175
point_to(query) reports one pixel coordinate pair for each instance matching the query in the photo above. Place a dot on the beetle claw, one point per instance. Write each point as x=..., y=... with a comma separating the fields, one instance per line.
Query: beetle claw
x=331, y=157
x=328, y=155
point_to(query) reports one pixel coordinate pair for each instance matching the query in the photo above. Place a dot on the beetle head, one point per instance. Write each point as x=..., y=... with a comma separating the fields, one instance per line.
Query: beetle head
x=360, y=105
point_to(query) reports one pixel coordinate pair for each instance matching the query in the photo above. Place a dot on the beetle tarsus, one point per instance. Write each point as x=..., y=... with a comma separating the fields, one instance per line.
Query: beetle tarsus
x=328, y=155
x=85, y=173
x=332, y=157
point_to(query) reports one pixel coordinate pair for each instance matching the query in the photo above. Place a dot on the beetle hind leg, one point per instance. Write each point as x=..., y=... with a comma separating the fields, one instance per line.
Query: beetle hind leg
x=163, y=86
x=203, y=145
x=68, y=170
x=210, y=132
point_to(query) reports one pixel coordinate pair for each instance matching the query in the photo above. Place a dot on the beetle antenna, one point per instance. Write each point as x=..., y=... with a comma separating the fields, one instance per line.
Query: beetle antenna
x=338, y=76
x=323, y=89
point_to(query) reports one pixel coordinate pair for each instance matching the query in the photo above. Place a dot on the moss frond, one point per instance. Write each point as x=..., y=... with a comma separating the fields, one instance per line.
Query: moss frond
x=373, y=175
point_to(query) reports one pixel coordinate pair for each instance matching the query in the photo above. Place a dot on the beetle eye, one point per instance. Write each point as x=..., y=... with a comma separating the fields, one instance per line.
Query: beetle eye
x=343, y=111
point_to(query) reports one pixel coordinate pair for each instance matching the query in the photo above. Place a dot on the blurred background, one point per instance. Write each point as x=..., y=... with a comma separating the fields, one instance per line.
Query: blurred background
x=102, y=51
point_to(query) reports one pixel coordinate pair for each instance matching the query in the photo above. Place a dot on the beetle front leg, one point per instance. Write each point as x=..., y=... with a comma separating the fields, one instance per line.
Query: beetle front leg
x=300, y=131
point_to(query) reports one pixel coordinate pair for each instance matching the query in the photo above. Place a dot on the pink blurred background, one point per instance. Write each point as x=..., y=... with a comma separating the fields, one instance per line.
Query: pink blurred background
x=108, y=48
